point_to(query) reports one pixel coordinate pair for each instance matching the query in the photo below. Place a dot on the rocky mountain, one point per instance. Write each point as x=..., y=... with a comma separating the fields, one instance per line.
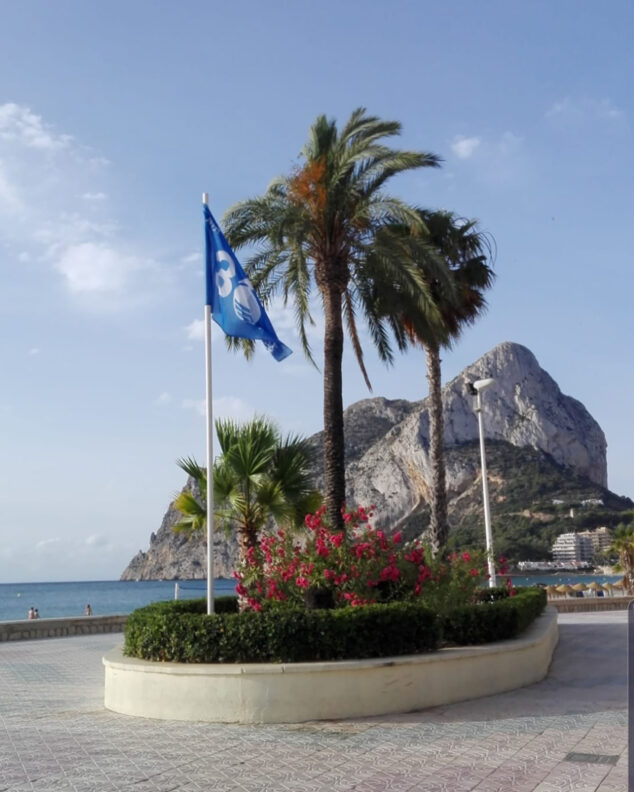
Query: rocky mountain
x=172, y=556
x=387, y=458
x=524, y=407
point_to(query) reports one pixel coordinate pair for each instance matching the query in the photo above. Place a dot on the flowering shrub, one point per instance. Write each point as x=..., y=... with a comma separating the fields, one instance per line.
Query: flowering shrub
x=360, y=566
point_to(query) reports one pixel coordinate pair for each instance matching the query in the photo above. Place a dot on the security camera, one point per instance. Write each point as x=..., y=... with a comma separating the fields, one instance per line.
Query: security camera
x=483, y=384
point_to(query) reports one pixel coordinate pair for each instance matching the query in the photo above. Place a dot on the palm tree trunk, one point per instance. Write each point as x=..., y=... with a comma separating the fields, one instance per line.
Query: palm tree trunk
x=247, y=538
x=334, y=448
x=438, y=527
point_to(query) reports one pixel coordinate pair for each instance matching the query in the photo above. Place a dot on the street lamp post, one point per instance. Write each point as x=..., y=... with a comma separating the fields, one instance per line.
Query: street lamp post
x=477, y=388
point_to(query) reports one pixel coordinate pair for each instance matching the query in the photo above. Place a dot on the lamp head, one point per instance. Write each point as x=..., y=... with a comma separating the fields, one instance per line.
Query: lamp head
x=482, y=384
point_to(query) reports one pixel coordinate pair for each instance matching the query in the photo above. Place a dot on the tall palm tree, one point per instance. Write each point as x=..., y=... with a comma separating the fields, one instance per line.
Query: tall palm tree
x=466, y=254
x=317, y=227
x=259, y=475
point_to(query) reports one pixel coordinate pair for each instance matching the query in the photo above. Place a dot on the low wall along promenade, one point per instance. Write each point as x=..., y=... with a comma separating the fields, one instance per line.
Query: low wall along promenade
x=58, y=628
x=590, y=604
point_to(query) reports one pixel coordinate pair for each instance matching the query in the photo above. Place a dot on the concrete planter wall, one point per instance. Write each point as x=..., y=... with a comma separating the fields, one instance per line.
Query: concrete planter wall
x=296, y=692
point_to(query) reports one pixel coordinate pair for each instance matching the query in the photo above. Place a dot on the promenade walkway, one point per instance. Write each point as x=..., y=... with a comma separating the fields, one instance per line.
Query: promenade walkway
x=567, y=733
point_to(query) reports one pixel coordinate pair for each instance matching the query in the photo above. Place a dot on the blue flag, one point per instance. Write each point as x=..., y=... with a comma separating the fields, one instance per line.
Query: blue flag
x=234, y=304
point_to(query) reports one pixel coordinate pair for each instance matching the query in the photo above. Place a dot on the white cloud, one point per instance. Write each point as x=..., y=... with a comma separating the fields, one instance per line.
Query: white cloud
x=509, y=144
x=96, y=540
x=163, y=398
x=90, y=267
x=34, y=351
x=584, y=109
x=196, y=330
x=9, y=197
x=464, y=147
x=18, y=124
x=45, y=545
x=192, y=258
x=297, y=369
x=198, y=405
x=223, y=407
x=502, y=161
x=232, y=407
x=66, y=223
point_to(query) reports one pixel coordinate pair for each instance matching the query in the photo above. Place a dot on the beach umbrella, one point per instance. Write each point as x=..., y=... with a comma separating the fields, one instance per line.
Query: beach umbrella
x=608, y=587
x=565, y=589
x=594, y=586
x=618, y=584
x=551, y=591
x=579, y=587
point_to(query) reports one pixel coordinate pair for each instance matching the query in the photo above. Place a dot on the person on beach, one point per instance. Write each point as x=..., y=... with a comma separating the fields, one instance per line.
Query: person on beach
x=36, y=614
x=88, y=611
x=31, y=613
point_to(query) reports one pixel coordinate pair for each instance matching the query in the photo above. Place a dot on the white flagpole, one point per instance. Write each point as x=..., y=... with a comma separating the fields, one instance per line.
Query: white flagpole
x=210, y=454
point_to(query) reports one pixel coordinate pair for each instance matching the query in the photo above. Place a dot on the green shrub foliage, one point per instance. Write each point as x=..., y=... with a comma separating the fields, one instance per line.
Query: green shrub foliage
x=183, y=632
x=498, y=620
x=169, y=632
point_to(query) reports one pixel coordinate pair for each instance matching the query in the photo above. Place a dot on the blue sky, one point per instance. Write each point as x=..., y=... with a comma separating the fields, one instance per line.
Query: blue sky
x=114, y=118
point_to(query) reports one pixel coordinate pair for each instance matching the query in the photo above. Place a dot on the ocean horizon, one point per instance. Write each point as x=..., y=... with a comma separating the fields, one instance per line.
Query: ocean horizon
x=107, y=597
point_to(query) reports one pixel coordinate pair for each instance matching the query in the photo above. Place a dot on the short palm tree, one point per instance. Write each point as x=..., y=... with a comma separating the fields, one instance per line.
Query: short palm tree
x=623, y=544
x=465, y=253
x=259, y=476
x=317, y=227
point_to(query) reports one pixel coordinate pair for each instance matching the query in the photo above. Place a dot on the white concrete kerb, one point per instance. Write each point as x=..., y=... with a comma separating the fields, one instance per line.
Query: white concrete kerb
x=296, y=692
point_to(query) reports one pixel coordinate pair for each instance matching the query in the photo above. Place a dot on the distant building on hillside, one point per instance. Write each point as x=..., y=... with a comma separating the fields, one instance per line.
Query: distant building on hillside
x=572, y=547
x=601, y=539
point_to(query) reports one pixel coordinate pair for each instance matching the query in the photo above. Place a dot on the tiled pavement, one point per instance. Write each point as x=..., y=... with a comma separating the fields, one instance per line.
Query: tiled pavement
x=55, y=734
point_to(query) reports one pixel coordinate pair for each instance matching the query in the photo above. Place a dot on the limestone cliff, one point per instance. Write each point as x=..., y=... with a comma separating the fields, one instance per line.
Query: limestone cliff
x=524, y=407
x=171, y=556
x=387, y=452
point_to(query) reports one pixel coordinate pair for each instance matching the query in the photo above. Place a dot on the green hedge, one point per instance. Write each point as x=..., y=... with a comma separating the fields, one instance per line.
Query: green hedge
x=499, y=620
x=182, y=631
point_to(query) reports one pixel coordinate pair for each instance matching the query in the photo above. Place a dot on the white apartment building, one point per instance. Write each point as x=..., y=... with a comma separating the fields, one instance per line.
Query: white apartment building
x=572, y=547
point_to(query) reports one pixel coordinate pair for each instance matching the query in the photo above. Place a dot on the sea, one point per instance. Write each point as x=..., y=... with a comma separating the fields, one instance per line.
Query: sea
x=107, y=597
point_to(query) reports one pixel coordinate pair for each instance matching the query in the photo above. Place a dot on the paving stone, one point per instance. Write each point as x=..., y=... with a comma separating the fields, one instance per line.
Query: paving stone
x=55, y=735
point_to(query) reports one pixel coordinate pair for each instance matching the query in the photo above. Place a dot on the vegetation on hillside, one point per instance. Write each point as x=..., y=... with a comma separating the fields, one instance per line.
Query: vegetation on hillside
x=531, y=501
